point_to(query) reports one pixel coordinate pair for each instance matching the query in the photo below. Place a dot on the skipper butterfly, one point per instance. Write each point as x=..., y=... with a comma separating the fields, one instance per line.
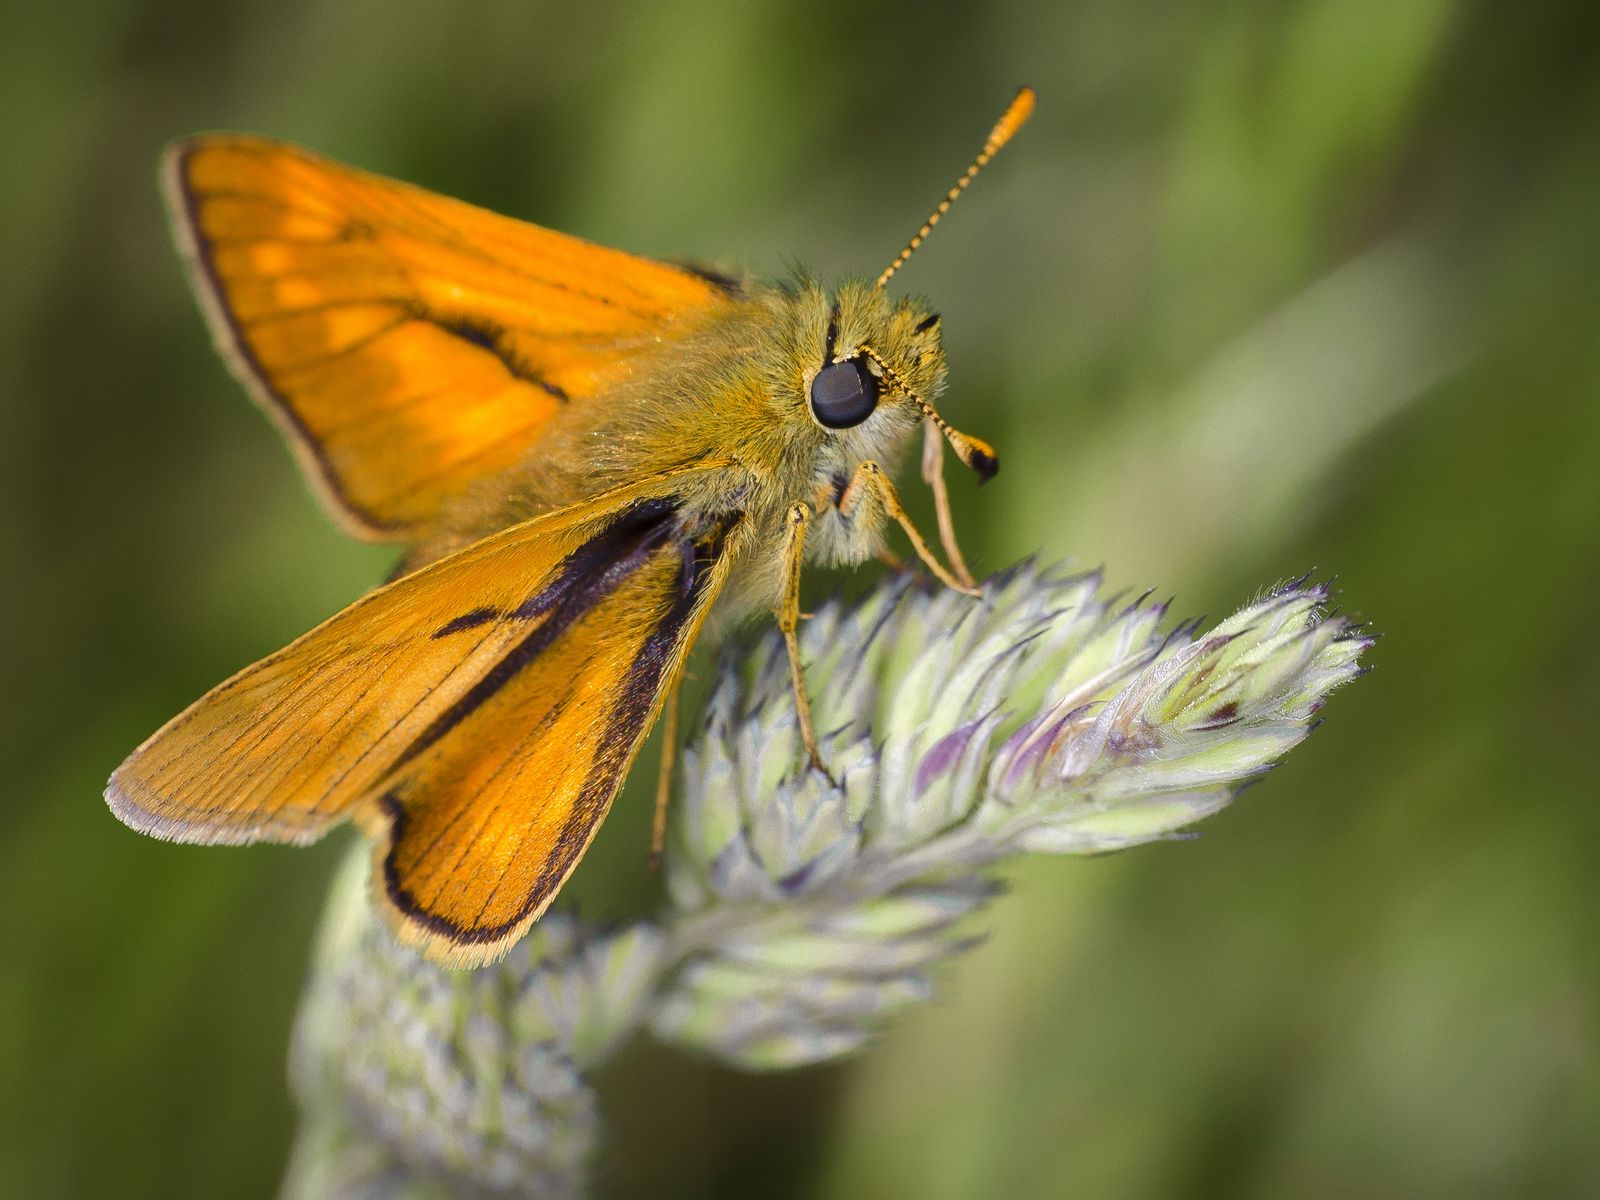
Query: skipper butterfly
x=584, y=451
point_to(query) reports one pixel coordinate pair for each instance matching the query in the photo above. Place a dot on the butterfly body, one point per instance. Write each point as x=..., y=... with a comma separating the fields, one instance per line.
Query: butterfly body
x=585, y=452
x=740, y=379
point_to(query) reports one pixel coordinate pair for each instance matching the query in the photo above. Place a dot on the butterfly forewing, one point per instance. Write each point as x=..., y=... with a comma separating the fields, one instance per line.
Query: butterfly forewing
x=408, y=343
x=564, y=717
x=477, y=716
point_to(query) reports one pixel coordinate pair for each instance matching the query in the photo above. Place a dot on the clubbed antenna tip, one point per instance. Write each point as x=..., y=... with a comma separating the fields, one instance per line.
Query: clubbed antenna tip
x=1013, y=119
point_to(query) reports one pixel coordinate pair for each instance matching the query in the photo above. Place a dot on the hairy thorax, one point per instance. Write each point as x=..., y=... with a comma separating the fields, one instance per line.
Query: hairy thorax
x=732, y=388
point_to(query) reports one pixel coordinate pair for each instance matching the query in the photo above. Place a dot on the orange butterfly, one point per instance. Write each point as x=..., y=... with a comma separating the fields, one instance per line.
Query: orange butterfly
x=584, y=449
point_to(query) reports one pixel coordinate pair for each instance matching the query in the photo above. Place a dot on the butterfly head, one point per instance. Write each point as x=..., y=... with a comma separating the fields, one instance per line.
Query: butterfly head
x=881, y=364
x=878, y=352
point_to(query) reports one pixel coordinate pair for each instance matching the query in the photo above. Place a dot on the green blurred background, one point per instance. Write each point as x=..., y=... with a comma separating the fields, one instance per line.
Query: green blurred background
x=1263, y=287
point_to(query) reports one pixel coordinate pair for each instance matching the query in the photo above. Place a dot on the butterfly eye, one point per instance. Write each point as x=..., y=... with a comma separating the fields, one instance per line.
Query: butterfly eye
x=843, y=394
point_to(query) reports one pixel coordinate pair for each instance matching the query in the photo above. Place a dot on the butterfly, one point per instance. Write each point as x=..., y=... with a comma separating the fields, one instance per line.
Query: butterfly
x=584, y=452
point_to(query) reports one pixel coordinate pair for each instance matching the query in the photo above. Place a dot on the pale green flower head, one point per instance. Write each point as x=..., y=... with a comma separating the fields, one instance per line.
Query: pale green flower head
x=1044, y=717
x=800, y=915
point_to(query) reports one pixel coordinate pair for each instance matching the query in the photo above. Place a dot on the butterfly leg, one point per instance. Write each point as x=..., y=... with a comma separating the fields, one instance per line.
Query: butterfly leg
x=933, y=476
x=872, y=486
x=669, y=753
x=794, y=549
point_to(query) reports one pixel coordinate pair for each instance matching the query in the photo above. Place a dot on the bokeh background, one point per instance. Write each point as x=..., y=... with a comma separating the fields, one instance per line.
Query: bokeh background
x=1263, y=287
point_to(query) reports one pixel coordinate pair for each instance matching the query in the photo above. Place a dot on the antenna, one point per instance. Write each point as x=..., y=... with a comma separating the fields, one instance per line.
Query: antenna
x=1015, y=116
x=974, y=452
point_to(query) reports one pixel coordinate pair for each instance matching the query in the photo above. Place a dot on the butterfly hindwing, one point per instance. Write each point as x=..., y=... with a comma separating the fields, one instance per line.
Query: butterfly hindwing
x=409, y=344
x=477, y=717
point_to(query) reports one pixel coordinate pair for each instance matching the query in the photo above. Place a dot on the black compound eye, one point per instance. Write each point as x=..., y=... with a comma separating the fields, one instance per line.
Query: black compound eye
x=844, y=394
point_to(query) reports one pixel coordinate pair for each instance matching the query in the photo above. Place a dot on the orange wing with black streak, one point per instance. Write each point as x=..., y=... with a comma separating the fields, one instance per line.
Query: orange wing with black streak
x=407, y=343
x=476, y=717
